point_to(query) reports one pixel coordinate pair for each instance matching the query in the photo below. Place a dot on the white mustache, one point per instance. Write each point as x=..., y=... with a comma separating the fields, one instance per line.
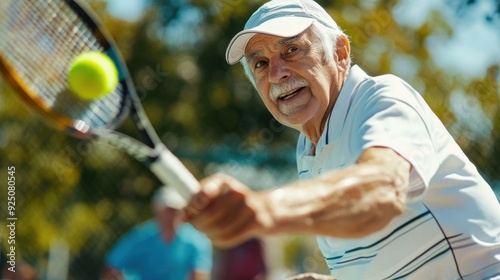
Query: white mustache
x=292, y=84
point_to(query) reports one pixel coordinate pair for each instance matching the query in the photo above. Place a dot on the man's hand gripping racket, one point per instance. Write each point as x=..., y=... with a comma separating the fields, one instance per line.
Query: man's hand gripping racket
x=39, y=41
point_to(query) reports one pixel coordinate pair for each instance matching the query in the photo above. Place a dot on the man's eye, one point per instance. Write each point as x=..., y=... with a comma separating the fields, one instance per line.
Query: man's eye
x=260, y=64
x=292, y=49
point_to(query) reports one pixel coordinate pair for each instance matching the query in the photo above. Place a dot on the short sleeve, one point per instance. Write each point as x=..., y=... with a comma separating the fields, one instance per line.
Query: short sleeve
x=390, y=114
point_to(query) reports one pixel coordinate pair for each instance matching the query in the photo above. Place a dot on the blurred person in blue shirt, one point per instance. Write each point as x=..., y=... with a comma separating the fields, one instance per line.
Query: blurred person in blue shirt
x=161, y=248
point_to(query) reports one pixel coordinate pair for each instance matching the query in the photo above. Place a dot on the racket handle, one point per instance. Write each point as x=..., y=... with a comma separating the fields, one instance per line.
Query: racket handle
x=170, y=171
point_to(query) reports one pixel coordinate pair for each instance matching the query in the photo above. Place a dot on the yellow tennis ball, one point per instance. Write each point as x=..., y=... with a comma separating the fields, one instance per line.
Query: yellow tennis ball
x=92, y=75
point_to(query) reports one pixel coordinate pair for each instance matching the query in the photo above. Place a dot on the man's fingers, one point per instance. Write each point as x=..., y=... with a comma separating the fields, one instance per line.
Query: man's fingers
x=226, y=210
x=234, y=233
x=211, y=187
x=219, y=212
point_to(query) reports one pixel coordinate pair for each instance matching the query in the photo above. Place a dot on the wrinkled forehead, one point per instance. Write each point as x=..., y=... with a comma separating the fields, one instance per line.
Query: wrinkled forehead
x=264, y=42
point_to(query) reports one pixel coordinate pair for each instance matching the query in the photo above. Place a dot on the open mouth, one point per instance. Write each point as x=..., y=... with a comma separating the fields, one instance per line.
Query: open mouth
x=289, y=95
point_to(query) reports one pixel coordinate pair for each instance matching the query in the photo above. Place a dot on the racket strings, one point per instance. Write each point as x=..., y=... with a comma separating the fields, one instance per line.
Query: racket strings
x=37, y=37
x=41, y=39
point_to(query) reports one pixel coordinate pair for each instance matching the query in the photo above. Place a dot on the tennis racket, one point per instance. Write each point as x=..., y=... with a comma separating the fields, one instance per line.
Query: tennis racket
x=39, y=39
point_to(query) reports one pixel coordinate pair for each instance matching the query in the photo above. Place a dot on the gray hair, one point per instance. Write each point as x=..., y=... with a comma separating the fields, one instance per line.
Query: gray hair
x=327, y=36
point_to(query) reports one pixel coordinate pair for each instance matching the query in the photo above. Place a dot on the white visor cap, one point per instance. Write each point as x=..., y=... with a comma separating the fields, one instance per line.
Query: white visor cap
x=282, y=18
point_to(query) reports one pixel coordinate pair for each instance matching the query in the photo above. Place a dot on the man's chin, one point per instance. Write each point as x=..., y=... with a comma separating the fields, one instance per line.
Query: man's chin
x=293, y=117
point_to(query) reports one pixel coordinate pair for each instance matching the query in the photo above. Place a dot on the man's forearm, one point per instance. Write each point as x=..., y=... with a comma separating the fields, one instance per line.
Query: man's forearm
x=348, y=203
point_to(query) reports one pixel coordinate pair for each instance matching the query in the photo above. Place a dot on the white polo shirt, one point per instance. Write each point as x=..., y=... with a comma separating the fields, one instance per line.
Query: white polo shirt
x=451, y=226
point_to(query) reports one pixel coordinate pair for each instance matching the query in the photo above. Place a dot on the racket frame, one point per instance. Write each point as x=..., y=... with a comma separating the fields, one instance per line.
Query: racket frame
x=151, y=151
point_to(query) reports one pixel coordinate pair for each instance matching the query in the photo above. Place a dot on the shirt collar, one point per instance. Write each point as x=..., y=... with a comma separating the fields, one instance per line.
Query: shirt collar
x=336, y=119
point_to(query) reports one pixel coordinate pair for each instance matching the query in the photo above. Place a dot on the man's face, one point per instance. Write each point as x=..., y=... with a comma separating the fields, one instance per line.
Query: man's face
x=167, y=219
x=294, y=79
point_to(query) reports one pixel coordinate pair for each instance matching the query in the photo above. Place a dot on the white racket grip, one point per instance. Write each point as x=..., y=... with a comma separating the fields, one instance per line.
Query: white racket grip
x=170, y=171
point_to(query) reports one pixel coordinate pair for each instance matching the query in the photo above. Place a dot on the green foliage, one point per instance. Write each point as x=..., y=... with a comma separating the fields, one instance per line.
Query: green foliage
x=89, y=194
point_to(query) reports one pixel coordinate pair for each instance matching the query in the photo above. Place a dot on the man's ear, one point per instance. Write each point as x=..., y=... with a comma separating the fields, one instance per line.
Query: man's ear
x=343, y=52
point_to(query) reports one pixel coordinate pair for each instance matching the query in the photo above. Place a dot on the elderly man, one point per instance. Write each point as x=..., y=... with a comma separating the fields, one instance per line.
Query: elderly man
x=384, y=186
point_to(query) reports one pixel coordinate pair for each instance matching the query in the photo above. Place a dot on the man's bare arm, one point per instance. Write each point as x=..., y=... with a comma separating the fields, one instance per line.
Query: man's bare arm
x=348, y=203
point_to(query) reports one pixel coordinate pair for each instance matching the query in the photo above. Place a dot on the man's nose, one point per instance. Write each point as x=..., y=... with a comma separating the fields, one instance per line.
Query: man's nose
x=278, y=70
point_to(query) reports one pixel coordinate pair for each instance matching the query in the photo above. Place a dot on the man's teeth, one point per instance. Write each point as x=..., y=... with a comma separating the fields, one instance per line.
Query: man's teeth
x=286, y=96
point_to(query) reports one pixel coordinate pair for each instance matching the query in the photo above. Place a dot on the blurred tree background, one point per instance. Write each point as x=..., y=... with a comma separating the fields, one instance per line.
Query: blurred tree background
x=83, y=196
